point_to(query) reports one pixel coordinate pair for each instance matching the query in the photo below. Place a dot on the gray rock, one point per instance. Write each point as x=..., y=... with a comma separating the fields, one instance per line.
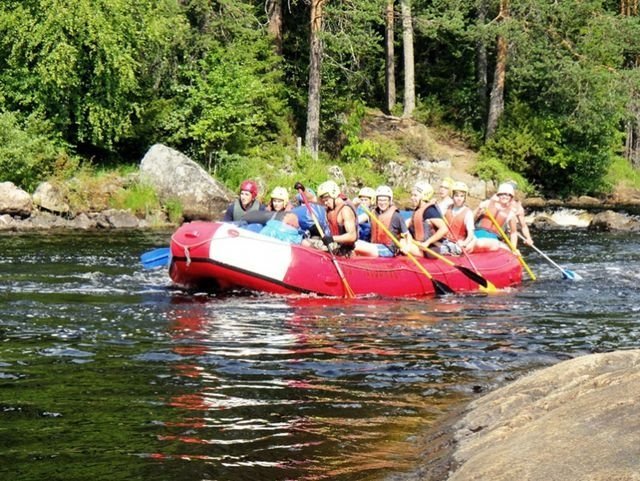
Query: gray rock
x=14, y=201
x=49, y=197
x=610, y=220
x=577, y=420
x=176, y=177
x=120, y=219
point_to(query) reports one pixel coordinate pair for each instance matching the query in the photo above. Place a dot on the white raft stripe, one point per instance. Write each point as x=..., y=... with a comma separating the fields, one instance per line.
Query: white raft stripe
x=251, y=252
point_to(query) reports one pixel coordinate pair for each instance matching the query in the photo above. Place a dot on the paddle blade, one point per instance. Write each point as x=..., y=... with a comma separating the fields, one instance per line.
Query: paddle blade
x=441, y=288
x=156, y=258
x=572, y=276
x=477, y=278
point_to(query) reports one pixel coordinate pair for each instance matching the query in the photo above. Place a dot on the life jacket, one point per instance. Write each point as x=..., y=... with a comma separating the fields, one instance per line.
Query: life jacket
x=239, y=211
x=378, y=235
x=501, y=215
x=335, y=227
x=421, y=230
x=455, y=222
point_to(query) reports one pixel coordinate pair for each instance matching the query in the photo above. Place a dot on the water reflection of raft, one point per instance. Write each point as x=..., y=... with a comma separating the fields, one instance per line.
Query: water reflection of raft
x=220, y=257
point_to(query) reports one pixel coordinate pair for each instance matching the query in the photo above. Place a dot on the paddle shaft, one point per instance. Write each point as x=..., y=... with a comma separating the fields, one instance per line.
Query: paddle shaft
x=509, y=243
x=485, y=284
x=455, y=239
x=438, y=286
x=348, y=292
x=565, y=272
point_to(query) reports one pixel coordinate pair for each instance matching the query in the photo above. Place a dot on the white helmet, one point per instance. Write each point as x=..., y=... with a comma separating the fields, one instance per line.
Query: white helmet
x=424, y=190
x=384, y=191
x=460, y=187
x=505, y=188
x=367, y=192
x=281, y=194
x=329, y=188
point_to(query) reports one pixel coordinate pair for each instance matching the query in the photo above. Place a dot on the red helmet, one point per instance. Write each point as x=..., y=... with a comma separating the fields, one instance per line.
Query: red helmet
x=250, y=186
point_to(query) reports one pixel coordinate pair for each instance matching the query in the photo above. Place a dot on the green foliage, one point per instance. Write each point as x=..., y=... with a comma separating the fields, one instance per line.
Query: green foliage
x=29, y=153
x=622, y=172
x=139, y=198
x=174, y=210
x=231, y=104
x=559, y=155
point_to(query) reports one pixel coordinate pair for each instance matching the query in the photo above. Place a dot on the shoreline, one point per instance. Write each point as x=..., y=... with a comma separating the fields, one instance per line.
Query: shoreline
x=541, y=215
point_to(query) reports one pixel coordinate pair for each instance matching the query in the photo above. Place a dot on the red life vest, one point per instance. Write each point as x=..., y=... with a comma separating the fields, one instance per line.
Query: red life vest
x=500, y=214
x=378, y=235
x=421, y=231
x=332, y=220
x=457, y=227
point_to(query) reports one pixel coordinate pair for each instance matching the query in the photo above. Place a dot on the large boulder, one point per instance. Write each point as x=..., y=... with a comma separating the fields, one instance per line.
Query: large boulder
x=577, y=420
x=14, y=201
x=176, y=177
x=610, y=220
x=50, y=197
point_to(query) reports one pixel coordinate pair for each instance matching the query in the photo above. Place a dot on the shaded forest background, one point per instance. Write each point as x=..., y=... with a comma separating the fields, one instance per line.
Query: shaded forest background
x=547, y=92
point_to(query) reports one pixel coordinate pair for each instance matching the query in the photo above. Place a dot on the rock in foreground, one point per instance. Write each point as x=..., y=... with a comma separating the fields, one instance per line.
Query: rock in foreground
x=578, y=420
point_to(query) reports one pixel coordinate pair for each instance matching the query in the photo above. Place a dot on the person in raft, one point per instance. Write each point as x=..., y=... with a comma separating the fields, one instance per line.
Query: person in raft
x=307, y=197
x=365, y=198
x=342, y=220
x=460, y=223
x=520, y=215
x=381, y=244
x=425, y=224
x=281, y=207
x=444, y=199
x=246, y=202
x=501, y=208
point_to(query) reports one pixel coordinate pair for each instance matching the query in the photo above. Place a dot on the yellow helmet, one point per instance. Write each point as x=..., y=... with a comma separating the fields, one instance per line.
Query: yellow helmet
x=367, y=192
x=280, y=193
x=329, y=188
x=424, y=190
x=447, y=182
x=384, y=191
x=460, y=187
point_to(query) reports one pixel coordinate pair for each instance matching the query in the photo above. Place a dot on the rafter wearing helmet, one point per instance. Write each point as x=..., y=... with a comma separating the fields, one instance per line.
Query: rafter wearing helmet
x=459, y=219
x=425, y=224
x=247, y=201
x=502, y=210
x=381, y=244
x=341, y=217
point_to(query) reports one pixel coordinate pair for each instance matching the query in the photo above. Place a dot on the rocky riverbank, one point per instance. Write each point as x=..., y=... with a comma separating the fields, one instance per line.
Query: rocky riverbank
x=179, y=180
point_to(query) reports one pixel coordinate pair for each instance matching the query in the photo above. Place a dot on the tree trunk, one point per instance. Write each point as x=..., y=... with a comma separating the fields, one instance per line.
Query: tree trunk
x=482, y=65
x=496, y=99
x=629, y=8
x=390, y=64
x=274, y=16
x=312, y=136
x=407, y=44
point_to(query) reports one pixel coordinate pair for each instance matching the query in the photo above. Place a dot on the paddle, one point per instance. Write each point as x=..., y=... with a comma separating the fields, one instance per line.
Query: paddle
x=489, y=287
x=440, y=288
x=348, y=292
x=485, y=285
x=156, y=258
x=508, y=242
x=566, y=273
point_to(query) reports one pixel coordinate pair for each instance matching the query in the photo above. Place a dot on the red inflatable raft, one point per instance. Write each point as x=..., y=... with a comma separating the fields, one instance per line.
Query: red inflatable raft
x=220, y=256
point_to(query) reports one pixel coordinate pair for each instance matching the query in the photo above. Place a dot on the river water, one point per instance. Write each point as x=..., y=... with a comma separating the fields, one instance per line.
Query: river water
x=109, y=372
